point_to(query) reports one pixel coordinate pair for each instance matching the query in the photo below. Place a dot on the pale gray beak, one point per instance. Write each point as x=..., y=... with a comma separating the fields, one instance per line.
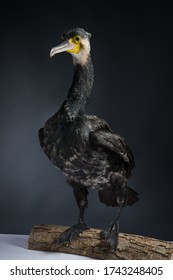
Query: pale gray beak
x=65, y=46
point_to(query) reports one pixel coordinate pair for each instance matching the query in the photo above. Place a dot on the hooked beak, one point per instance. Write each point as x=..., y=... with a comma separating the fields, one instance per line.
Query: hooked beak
x=65, y=46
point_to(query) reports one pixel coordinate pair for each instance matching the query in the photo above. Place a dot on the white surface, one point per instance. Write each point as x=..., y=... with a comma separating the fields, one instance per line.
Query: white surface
x=14, y=247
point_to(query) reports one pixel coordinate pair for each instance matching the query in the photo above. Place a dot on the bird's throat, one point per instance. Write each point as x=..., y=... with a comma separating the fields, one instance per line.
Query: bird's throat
x=80, y=90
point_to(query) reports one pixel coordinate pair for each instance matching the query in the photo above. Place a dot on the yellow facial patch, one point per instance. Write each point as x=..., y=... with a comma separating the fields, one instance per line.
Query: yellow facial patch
x=76, y=40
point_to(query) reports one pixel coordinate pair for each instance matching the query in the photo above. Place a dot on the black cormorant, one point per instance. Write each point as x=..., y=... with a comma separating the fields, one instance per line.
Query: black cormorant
x=84, y=147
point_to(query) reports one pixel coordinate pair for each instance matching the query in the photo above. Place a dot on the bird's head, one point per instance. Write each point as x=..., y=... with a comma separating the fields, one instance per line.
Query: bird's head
x=77, y=43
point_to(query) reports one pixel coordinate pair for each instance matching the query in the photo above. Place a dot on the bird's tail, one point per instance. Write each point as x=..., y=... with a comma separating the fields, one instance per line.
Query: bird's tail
x=109, y=197
x=133, y=196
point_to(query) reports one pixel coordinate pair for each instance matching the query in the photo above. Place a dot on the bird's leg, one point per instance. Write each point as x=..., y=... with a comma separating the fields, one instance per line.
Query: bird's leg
x=111, y=233
x=74, y=231
x=121, y=192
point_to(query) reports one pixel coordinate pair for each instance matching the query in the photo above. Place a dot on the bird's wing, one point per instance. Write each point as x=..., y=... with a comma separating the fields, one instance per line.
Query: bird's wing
x=114, y=143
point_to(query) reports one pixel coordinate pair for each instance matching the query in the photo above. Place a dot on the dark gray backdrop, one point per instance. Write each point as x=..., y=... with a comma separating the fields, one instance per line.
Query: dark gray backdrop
x=132, y=56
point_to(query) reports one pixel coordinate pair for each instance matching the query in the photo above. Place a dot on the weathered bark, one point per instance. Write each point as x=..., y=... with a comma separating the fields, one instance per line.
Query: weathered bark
x=89, y=244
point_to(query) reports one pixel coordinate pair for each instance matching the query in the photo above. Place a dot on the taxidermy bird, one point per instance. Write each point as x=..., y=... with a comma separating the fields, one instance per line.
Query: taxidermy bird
x=84, y=147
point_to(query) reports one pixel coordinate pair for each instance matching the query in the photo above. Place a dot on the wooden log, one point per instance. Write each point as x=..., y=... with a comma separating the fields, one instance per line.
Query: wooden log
x=89, y=244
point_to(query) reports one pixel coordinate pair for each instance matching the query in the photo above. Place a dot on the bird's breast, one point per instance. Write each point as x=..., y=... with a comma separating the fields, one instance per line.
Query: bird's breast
x=69, y=148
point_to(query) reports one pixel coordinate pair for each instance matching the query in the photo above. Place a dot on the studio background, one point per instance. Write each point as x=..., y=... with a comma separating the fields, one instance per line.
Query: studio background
x=132, y=57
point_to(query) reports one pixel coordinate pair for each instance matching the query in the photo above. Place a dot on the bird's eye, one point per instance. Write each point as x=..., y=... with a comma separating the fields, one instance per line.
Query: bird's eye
x=77, y=39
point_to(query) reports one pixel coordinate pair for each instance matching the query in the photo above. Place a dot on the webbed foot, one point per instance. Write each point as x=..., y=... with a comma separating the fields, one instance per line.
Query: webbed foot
x=111, y=235
x=71, y=233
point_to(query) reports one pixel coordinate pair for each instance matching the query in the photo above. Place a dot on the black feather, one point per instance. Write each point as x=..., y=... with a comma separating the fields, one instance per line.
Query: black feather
x=84, y=147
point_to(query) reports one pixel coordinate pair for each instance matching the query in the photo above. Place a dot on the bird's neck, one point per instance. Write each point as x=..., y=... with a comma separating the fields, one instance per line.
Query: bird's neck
x=80, y=89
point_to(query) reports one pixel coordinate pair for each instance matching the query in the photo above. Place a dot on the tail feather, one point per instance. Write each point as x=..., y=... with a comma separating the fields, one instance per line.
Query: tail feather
x=133, y=196
x=110, y=199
